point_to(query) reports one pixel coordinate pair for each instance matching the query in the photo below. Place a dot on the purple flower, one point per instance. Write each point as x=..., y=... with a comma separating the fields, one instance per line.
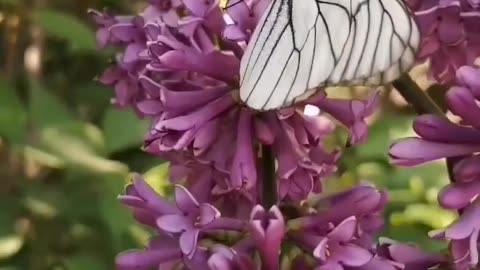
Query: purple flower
x=159, y=251
x=178, y=66
x=363, y=202
x=225, y=258
x=127, y=32
x=459, y=194
x=165, y=10
x=335, y=248
x=408, y=256
x=395, y=256
x=118, y=30
x=188, y=219
x=214, y=186
x=351, y=113
x=301, y=167
x=182, y=70
x=463, y=234
x=441, y=138
x=449, y=34
x=146, y=204
x=267, y=230
x=339, y=229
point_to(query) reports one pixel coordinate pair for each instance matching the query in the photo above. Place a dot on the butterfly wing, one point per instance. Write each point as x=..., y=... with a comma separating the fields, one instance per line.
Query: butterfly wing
x=302, y=44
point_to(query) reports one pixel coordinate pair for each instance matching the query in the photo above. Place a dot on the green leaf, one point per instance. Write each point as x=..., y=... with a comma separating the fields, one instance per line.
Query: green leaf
x=10, y=245
x=381, y=134
x=114, y=214
x=13, y=117
x=80, y=146
x=42, y=157
x=139, y=234
x=42, y=207
x=123, y=129
x=67, y=27
x=156, y=177
x=416, y=234
x=9, y=215
x=92, y=94
x=432, y=174
x=46, y=109
x=9, y=2
x=426, y=214
x=84, y=262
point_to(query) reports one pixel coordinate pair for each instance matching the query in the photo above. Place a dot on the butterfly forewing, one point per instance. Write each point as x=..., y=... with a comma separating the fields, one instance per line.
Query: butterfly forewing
x=300, y=45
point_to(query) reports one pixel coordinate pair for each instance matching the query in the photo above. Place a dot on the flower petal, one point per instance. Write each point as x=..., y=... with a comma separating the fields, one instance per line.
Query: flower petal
x=185, y=200
x=152, y=199
x=415, y=151
x=188, y=242
x=208, y=213
x=134, y=260
x=352, y=255
x=320, y=252
x=344, y=231
x=174, y=223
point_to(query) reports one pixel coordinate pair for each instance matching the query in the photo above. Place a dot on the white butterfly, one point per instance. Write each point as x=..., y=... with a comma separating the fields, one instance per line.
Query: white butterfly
x=300, y=45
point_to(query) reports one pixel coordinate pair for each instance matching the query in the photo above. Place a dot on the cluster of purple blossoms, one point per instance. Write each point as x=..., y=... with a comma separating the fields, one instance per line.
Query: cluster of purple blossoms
x=335, y=232
x=440, y=138
x=450, y=35
x=179, y=66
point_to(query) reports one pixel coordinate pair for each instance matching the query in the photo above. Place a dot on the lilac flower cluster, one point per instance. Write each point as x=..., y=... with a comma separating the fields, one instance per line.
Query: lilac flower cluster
x=450, y=36
x=336, y=232
x=440, y=138
x=178, y=67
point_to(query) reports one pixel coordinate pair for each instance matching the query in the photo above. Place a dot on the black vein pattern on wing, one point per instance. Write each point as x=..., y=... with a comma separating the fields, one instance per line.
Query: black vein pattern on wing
x=327, y=27
x=234, y=4
x=353, y=25
x=314, y=51
x=265, y=41
x=299, y=50
x=405, y=44
x=359, y=62
x=376, y=43
x=266, y=62
x=278, y=81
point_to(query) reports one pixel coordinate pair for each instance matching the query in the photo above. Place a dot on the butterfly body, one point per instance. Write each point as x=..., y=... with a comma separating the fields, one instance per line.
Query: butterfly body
x=300, y=45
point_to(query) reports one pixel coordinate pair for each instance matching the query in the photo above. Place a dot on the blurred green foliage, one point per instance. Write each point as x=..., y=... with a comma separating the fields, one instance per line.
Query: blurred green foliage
x=65, y=153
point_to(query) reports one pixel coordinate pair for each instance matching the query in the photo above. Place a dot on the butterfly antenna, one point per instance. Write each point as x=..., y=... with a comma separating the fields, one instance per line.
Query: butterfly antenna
x=232, y=5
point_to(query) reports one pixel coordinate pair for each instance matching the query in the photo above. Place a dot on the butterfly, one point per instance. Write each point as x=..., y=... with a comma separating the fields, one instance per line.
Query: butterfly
x=299, y=46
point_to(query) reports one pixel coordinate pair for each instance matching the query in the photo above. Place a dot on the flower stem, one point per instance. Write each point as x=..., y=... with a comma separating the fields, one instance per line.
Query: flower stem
x=423, y=104
x=415, y=96
x=269, y=188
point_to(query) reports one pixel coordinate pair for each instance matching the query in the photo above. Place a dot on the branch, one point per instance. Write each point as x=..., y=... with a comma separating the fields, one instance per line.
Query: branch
x=423, y=104
x=415, y=96
x=269, y=188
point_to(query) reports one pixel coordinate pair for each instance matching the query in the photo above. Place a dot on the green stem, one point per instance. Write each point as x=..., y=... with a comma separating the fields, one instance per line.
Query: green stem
x=423, y=104
x=269, y=188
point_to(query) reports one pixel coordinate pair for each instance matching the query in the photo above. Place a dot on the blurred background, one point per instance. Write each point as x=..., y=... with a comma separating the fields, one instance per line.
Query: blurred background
x=65, y=153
